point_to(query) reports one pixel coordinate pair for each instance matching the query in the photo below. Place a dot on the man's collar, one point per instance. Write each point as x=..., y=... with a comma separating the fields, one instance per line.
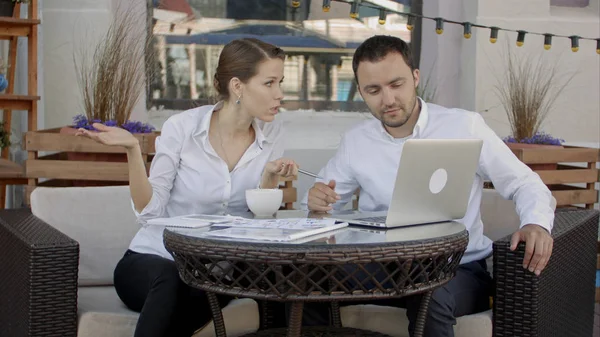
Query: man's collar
x=423, y=119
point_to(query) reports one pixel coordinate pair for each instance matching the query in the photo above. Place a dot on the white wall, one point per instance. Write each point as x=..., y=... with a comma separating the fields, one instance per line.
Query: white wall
x=442, y=55
x=65, y=27
x=466, y=71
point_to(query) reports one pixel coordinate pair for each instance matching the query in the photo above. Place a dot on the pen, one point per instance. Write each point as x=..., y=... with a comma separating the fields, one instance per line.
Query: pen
x=314, y=175
x=310, y=174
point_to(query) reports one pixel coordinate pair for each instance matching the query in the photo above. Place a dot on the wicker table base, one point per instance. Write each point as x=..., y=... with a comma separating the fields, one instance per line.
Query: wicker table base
x=295, y=328
x=319, y=331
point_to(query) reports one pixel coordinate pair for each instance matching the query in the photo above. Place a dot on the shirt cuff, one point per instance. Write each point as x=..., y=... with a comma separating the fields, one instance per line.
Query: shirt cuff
x=152, y=210
x=545, y=221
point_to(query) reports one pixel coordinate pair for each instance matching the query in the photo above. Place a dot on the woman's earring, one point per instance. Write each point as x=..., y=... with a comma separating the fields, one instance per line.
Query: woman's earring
x=238, y=100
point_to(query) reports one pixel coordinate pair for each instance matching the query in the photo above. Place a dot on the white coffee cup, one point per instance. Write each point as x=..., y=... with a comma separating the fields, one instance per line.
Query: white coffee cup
x=264, y=202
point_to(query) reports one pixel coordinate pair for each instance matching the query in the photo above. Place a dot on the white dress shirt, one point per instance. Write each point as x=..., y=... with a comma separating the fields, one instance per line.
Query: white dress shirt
x=368, y=157
x=187, y=175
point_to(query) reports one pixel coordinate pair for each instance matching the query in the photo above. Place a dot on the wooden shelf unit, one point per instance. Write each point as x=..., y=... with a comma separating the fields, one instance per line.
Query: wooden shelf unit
x=11, y=29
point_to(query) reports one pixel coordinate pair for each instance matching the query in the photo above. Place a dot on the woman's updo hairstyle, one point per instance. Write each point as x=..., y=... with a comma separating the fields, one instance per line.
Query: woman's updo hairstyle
x=240, y=58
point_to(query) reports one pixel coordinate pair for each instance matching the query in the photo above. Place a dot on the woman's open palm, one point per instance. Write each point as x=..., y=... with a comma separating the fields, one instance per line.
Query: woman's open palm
x=109, y=135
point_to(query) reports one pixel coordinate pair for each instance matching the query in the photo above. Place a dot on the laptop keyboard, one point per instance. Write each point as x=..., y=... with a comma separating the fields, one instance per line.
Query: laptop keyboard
x=379, y=219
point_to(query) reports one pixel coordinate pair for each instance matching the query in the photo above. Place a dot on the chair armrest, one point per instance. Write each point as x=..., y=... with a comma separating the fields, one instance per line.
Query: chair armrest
x=560, y=302
x=38, y=282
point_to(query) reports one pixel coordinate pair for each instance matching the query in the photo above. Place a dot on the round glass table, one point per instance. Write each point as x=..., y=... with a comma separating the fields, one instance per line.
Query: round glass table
x=348, y=264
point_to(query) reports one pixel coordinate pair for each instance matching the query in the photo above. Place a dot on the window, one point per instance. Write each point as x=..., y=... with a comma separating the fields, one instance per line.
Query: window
x=188, y=36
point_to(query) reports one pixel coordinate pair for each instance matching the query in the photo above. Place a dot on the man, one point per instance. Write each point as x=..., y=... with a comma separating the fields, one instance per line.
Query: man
x=369, y=155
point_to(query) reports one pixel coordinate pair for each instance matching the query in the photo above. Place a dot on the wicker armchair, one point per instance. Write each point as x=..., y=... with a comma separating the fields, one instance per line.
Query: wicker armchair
x=38, y=283
x=561, y=301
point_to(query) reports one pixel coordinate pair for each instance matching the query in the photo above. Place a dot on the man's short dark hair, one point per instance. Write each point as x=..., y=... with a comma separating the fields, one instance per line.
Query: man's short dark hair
x=377, y=47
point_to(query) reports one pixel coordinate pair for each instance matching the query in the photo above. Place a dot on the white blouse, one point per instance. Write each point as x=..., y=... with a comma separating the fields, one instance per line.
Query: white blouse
x=187, y=175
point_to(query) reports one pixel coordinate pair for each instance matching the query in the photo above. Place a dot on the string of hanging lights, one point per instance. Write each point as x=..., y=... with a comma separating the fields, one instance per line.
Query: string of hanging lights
x=467, y=26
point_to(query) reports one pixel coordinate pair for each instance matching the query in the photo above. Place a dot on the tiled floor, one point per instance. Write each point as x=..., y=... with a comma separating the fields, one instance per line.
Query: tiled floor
x=597, y=320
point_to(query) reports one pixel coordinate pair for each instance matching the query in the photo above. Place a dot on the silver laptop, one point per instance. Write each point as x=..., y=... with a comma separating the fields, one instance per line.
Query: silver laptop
x=433, y=184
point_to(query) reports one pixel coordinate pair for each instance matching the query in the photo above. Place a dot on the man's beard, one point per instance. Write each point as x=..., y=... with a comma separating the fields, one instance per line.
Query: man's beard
x=406, y=108
x=395, y=123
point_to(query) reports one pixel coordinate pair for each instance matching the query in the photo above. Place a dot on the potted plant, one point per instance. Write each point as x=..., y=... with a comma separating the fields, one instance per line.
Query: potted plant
x=112, y=77
x=527, y=92
x=7, y=7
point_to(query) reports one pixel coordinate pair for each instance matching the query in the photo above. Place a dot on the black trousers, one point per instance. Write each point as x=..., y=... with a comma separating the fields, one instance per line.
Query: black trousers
x=467, y=293
x=150, y=285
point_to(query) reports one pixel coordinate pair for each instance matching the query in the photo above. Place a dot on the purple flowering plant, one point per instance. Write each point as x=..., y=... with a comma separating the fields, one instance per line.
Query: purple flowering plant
x=81, y=121
x=538, y=138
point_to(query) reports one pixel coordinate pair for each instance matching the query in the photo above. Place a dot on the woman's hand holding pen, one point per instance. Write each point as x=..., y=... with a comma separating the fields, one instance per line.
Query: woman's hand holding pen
x=275, y=169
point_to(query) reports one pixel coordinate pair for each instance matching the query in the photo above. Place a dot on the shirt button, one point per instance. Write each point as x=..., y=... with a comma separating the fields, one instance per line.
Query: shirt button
x=228, y=182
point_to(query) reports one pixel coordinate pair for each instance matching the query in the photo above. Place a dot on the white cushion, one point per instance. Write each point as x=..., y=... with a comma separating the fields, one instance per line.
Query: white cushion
x=101, y=313
x=499, y=216
x=392, y=321
x=99, y=218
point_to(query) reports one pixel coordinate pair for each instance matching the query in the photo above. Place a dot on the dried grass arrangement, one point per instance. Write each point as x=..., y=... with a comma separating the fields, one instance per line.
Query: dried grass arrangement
x=527, y=92
x=112, y=76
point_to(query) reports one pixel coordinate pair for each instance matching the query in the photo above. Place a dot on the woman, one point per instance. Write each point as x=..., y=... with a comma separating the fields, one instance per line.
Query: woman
x=206, y=158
